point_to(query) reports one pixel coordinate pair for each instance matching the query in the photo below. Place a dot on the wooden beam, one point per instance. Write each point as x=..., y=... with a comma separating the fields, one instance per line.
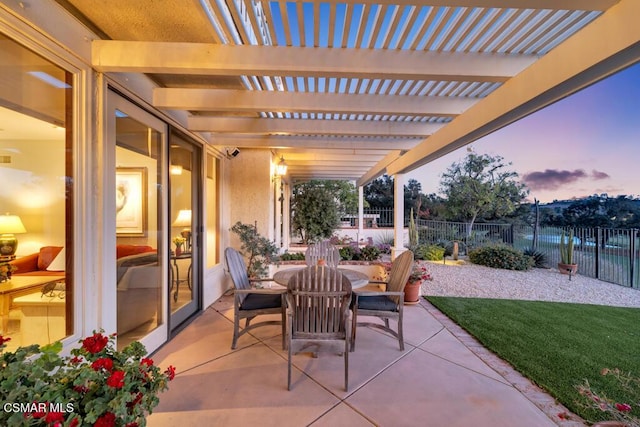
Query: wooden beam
x=257, y=101
x=225, y=60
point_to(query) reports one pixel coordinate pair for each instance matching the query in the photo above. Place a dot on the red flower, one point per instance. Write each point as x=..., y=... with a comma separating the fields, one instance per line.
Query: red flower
x=623, y=407
x=106, y=420
x=74, y=423
x=103, y=363
x=132, y=424
x=4, y=340
x=75, y=360
x=135, y=400
x=146, y=361
x=116, y=379
x=80, y=389
x=95, y=343
x=171, y=372
x=563, y=416
x=54, y=417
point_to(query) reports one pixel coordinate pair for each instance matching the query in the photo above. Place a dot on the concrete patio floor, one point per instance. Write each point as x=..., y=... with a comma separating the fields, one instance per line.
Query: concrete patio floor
x=443, y=378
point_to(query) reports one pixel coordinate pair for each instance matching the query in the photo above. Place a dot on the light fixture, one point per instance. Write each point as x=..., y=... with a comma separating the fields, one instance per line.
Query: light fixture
x=175, y=170
x=184, y=220
x=10, y=225
x=281, y=167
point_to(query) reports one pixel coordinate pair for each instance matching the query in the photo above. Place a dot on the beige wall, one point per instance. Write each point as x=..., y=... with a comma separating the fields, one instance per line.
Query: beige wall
x=251, y=191
x=33, y=188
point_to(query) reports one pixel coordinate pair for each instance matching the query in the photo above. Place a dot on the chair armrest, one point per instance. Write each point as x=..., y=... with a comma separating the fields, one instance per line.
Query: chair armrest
x=27, y=263
x=378, y=282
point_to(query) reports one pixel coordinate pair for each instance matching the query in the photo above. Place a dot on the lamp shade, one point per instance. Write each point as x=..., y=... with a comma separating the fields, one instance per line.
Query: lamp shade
x=183, y=219
x=59, y=263
x=11, y=224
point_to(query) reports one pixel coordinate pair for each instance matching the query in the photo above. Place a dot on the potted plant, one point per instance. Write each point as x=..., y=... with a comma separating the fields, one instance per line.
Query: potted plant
x=95, y=386
x=566, y=264
x=418, y=275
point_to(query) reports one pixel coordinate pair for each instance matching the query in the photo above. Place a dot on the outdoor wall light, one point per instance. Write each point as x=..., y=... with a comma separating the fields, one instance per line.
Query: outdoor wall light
x=281, y=167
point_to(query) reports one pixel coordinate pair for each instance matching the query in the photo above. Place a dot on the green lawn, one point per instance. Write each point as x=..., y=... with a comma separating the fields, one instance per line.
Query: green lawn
x=556, y=345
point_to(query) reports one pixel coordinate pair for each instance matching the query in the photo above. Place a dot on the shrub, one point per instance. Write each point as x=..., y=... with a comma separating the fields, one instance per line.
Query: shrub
x=348, y=253
x=385, y=238
x=430, y=252
x=539, y=258
x=369, y=253
x=260, y=250
x=294, y=256
x=501, y=256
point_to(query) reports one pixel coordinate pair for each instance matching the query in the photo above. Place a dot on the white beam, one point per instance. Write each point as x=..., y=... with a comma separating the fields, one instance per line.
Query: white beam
x=324, y=142
x=605, y=46
x=256, y=101
x=379, y=168
x=224, y=60
x=309, y=127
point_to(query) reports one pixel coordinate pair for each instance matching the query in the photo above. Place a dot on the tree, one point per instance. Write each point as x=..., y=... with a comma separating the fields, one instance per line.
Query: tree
x=314, y=208
x=379, y=193
x=480, y=188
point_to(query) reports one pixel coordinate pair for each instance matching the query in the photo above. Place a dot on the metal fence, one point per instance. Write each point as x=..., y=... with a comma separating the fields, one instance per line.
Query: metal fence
x=373, y=218
x=608, y=254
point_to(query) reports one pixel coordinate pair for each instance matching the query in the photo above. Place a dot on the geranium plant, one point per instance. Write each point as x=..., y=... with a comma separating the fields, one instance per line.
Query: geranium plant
x=419, y=273
x=617, y=411
x=95, y=386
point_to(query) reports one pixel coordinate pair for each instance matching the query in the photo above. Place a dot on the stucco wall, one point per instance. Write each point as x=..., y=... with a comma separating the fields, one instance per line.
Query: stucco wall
x=251, y=191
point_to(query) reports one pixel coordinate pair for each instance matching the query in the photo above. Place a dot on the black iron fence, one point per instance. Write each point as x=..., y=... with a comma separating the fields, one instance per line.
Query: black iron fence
x=608, y=254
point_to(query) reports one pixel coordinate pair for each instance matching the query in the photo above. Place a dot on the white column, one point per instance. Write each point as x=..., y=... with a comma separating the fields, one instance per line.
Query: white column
x=286, y=218
x=398, y=215
x=360, y=213
x=279, y=241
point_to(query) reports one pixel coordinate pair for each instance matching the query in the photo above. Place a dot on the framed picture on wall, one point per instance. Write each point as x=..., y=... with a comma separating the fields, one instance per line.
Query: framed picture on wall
x=131, y=202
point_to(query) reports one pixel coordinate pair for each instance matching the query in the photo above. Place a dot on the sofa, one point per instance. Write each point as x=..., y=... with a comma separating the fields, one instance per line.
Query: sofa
x=36, y=264
x=138, y=277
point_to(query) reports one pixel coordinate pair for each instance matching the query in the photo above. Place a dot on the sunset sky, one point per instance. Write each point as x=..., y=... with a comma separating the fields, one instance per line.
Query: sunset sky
x=588, y=143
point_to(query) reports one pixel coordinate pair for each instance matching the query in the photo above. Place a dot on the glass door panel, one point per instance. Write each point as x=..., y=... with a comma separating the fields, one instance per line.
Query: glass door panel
x=185, y=253
x=140, y=141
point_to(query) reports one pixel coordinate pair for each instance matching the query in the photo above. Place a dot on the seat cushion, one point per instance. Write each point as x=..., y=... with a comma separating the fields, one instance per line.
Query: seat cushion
x=378, y=302
x=258, y=301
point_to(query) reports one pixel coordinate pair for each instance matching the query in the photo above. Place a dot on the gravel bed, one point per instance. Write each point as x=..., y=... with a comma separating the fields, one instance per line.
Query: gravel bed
x=470, y=280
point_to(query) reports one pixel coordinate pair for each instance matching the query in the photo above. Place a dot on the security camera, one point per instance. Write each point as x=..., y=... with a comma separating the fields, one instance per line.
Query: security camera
x=233, y=152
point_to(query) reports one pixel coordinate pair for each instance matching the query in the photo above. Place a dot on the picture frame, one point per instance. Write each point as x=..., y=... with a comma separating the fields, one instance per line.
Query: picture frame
x=131, y=201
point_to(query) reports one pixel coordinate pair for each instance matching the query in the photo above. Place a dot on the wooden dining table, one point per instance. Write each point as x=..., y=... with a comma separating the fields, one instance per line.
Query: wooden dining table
x=357, y=278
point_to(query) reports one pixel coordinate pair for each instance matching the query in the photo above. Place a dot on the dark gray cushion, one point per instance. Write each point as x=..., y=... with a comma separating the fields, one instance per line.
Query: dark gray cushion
x=258, y=301
x=378, y=302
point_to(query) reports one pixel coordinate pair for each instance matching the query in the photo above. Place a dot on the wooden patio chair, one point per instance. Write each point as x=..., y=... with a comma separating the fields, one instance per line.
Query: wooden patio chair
x=386, y=304
x=322, y=250
x=249, y=302
x=318, y=314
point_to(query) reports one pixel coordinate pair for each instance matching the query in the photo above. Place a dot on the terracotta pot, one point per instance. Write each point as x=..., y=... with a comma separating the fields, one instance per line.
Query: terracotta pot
x=412, y=292
x=565, y=268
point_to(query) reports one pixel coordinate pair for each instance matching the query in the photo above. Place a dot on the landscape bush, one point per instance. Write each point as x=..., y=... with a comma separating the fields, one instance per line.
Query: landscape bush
x=501, y=256
x=293, y=256
x=430, y=252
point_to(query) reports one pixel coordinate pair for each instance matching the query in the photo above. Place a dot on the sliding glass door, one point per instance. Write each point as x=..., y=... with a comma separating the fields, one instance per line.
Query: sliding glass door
x=138, y=175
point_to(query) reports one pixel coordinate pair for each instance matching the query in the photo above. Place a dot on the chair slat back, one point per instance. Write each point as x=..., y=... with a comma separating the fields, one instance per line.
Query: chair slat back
x=319, y=297
x=237, y=270
x=322, y=250
x=399, y=274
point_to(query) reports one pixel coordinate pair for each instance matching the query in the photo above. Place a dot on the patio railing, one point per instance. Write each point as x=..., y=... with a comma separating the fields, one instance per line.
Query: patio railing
x=608, y=254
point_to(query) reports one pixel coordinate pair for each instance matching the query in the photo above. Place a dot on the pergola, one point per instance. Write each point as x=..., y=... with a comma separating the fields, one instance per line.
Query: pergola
x=355, y=89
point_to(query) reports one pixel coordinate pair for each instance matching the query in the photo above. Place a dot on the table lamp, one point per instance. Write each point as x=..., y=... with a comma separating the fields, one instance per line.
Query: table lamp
x=184, y=220
x=9, y=226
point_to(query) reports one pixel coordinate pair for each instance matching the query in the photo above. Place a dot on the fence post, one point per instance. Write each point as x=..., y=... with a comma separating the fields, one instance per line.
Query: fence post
x=597, y=251
x=632, y=256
